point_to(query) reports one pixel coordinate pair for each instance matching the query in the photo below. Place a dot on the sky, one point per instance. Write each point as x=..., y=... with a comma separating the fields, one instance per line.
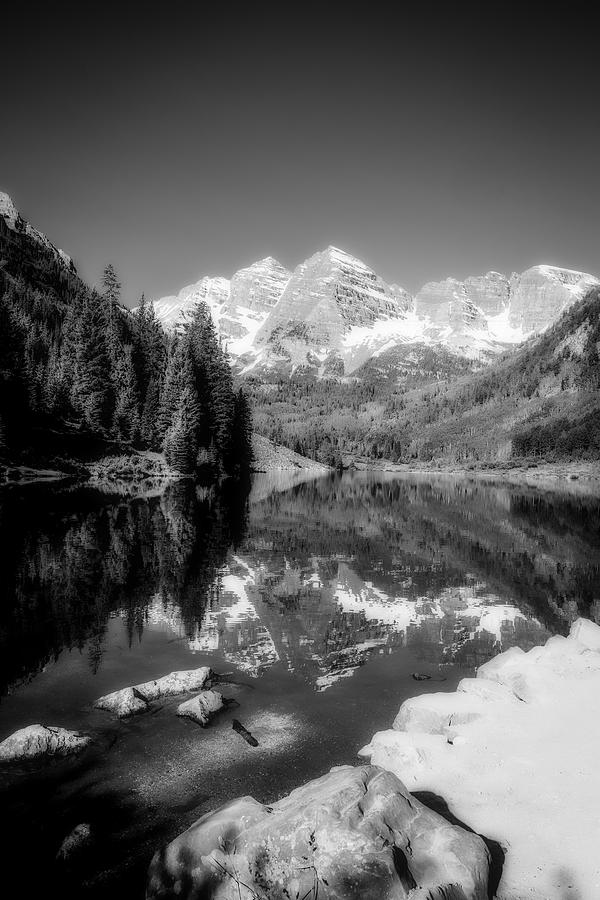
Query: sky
x=190, y=141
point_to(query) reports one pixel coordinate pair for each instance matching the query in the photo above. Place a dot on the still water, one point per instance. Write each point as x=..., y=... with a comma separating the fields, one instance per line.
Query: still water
x=316, y=602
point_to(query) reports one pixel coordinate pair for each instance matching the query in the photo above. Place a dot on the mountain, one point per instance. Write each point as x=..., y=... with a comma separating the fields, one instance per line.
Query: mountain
x=17, y=235
x=330, y=305
x=542, y=401
x=238, y=306
x=333, y=315
x=427, y=404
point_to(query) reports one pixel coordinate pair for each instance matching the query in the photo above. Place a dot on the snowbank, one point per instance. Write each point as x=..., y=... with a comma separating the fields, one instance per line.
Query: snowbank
x=515, y=753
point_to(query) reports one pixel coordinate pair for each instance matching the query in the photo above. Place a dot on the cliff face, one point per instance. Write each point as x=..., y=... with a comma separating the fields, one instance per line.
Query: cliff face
x=20, y=241
x=461, y=305
x=259, y=286
x=542, y=293
x=326, y=296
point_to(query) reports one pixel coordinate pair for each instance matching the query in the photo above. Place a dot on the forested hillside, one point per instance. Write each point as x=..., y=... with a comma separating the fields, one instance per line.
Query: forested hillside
x=80, y=373
x=541, y=401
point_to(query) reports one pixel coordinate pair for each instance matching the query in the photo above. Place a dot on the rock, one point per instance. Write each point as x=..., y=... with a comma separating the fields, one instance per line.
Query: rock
x=540, y=294
x=135, y=699
x=202, y=707
x=75, y=842
x=126, y=702
x=37, y=741
x=176, y=683
x=524, y=774
x=463, y=305
x=446, y=303
x=354, y=833
x=258, y=287
x=27, y=238
x=327, y=295
x=489, y=292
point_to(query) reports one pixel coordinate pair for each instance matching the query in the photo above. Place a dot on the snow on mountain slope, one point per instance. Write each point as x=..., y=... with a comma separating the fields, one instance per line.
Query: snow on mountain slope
x=238, y=306
x=172, y=311
x=333, y=313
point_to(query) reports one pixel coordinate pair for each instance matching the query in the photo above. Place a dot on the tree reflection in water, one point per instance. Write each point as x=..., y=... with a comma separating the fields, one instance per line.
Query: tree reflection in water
x=74, y=558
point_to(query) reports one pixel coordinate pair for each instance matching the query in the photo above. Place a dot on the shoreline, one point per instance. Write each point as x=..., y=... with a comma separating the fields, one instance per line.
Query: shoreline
x=575, y=476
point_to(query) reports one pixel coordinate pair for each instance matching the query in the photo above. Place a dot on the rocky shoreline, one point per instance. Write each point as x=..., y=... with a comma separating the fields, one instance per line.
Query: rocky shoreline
x=509, y=759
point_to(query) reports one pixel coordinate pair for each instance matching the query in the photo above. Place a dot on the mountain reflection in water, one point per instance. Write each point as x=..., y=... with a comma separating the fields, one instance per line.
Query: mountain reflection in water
x=317, y=579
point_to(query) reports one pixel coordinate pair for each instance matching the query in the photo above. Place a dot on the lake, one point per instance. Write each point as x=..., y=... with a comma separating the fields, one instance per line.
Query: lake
x=317, y=602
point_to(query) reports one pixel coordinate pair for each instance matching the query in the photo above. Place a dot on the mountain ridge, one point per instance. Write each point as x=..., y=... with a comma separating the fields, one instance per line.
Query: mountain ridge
x=333, y=313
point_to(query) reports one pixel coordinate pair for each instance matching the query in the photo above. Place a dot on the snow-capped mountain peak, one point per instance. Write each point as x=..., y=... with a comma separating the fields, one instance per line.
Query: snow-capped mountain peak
x=333, y=312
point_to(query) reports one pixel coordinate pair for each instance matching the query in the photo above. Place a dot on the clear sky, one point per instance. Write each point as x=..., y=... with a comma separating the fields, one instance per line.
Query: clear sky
x=191, y=141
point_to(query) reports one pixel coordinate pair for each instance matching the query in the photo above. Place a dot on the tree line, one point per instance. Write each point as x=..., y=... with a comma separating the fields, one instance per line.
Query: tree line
x=75, y=360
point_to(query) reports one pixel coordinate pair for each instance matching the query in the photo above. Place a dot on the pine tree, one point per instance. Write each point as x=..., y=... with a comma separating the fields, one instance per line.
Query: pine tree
x=111, y=286
x=126, y=420
x=14, y=406
x=181, y=439
x=92, y=391
x=172, y=387
x=241, y=436
x=214, y=385
x=150, y=362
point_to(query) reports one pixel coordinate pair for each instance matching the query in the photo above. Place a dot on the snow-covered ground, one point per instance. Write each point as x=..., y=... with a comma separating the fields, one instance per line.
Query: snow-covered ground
x=515, y=754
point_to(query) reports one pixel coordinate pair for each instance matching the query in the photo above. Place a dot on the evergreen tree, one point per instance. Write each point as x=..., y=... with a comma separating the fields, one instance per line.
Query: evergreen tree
x=126, y=420
x=150, y=361
x=172, y=386
x=181, y=439
x=92, y=392
x=214, y=386
x=241, y=433
x=111, y=286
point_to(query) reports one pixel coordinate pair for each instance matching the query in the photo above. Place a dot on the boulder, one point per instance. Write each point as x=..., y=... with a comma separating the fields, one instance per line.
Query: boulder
x=135, y=699
x=201, y=708
x=176, y=683
x=37, y=741
x=354, y=833
x=126, y=702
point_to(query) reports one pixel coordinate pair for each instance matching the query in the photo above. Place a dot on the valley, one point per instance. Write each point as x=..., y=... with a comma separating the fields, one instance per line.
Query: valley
x=345, y=369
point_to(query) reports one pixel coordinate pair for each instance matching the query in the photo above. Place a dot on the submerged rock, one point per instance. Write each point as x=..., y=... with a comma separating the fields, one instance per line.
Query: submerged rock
x=201, y=708
x=75, y=842
x=136, y=699
x=126, y=702
x=37, y=741
x=354, y=833
x=514, y=753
